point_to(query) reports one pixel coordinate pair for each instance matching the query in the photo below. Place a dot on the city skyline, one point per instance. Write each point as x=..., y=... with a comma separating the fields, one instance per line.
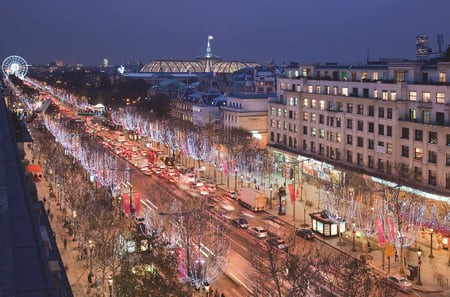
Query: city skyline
x=85, y=32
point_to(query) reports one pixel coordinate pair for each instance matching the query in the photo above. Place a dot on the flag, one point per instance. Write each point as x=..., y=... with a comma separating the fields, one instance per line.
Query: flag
x=214, y=74
x=210, y=37
x=292, y=193
x=126, y=203
x=137, y=202
x=380, y=232
x=189, y=72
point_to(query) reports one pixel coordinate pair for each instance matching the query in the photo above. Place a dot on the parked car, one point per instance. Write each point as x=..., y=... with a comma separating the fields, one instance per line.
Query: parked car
x=305, y=233
x=399, y=282
x=278, y=243
x=258, y=232
x=231, y=194
x=241, y=223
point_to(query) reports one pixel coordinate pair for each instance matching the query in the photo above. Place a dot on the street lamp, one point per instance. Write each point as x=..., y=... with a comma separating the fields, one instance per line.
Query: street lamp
x=431, y=243
x=354, y=236
x=91, y=247
x=419, y=263
x=110, y=284
x=206, y=285
x=270, y=189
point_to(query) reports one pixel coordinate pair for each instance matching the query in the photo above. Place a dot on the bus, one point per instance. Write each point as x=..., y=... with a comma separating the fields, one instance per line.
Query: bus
x=154, y=154
x=120, y=136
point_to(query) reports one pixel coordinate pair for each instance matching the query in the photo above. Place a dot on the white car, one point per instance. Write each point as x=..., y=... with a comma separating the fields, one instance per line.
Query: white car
x=231, y=194
x=226, y=205
x=399, y=282
x=258, y=232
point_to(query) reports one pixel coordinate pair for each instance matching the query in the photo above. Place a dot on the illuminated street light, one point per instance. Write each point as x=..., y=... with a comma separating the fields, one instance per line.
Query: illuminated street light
x=419, y=263
x=431, y=243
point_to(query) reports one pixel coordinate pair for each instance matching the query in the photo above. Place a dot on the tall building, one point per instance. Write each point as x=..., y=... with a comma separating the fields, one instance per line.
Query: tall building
x=422, y=49
x=383, y=119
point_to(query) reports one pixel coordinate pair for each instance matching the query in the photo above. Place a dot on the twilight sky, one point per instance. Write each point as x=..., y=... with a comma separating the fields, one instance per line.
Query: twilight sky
x=86, y=31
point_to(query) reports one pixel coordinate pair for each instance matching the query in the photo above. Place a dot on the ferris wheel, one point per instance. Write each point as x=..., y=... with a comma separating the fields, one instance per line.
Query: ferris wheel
x=15, y=65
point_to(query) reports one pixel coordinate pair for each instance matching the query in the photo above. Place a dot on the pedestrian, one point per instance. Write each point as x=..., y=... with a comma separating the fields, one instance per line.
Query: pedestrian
x=396, y=256
x=65, y=243
x=90, y=280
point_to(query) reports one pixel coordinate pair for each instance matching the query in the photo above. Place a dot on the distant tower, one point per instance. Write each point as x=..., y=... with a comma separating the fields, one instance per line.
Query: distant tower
x=440, y=42
x=422, y=49
x=209, y=53
x=105, y=62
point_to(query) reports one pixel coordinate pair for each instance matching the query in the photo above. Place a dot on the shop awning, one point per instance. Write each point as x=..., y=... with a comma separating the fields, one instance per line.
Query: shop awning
x=34, y=168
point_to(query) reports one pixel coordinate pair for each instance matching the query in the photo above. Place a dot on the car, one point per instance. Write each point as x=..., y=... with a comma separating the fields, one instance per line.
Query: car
x=241, y=223
x=226, y=205
x=278, y=243
x=305, y=233
x=231, y=194
x=139, y=220
x=399, y=282
x=211, y=187
x=258, y=232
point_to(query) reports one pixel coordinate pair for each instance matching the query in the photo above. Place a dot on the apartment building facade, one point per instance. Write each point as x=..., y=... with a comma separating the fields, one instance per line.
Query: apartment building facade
x=385, y=119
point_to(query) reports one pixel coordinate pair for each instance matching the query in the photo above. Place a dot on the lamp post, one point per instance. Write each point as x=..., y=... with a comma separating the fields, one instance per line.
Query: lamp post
x=235, y=180
x=91, y=247
x=270, y=189
x=419, y=263
x=431, y=243
x=110, y=284
x=354, y=236
x=206, y=285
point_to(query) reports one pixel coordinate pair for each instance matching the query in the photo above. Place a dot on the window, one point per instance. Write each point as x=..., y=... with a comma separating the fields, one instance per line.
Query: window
x=318, y=89
x=272, y=111
x=389, y=148
x=349, y=124
x=426, y=97
x=305, y=116
x=371, y=127
x=389, y=131
x=370, y=144
x=374, y=75
x=335, y=91
x=321, y=119
x=447, y=159
x=291, y=101
x=418, y=173
x=313, y=131
x=360, y=126
x=295, y=128
x=432, y=177
x=371, y=110
x=360, y=142
x=291, y=114
x=327, y=90
x=380, y=165
x=321, y=133
x=305, y=145
x=381, y=112
x=322, y=104
x=405, y=151
x=375, y=94
x=344, y=75
x=360, y=109
x=412, y=96
x=380, y=129
x=365, y=92
x=344, y=91
x=419, y=153
x=290, y=127
x=305, y=102
x=349, y=157
x=393, y=95
x=338, y=137
x=338, y=122
x=278, y=125
x=309, y=89
x=330, y=105
x=313, y=117
x=412, y=115
x=418, y=135
x=405, y=133
x=321, y=149
x=432, y=157
x=295, y=115
x=353, y=75
x=384, y=95
x=272, y=136
x=389, y=113
x=305, y=130
x=349, y=108
x=355, y=92
x=426, y=117
x=440, y=118
x=349, y=139
x=279, y=112
x=440, y=97
x=284, y=126
x=432, y=138
x=370, y=162
x=359, y=160
x=442, y=77
x=272, y=123
x=313, y=103
x=285, y=113
x=364, y=75
x=388, y=167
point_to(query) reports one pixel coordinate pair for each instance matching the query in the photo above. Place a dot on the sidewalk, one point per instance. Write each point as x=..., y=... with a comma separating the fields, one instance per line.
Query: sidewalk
x=77, y=270
x=435, y=272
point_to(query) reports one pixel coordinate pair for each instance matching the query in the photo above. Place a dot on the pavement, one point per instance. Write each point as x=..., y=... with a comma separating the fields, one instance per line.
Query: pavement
x=435, y=271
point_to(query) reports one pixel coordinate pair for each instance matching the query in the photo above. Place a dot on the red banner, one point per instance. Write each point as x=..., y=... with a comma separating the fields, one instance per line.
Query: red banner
x=126, y=203
x=292, y=192
x=381, y=239
x=225, y=167
x=297, y=192
x=137, y=202
x=391, y=227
